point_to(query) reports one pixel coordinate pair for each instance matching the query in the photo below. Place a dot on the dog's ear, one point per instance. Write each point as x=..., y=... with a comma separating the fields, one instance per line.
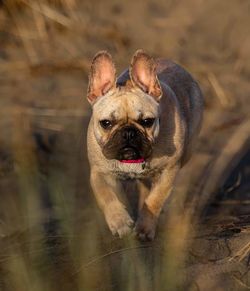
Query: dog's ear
x=102, y=77
x=143, y=74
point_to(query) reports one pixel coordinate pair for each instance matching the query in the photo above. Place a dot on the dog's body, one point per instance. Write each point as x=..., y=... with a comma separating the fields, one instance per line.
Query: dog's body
x=143, y=128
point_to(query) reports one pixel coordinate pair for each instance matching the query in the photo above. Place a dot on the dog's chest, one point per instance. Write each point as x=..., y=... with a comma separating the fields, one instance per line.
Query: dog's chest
x=134, y=171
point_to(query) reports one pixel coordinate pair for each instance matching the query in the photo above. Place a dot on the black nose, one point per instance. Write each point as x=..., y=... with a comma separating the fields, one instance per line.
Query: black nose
x=129, y=133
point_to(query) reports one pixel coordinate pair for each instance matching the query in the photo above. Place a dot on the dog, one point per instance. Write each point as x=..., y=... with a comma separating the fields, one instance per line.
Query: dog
x=142, y=130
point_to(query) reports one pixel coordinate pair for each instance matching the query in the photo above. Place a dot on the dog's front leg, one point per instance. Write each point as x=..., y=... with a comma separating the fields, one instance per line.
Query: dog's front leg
x=144, y=187
x=153, y=204
x=105, y=187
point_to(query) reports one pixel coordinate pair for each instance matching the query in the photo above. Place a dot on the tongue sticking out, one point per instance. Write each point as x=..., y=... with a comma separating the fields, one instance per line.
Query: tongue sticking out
x=137, y=161
x=131, y=155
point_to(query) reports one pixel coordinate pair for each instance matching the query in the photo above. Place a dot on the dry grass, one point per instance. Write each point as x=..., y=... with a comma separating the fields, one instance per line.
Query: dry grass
x=52, y=236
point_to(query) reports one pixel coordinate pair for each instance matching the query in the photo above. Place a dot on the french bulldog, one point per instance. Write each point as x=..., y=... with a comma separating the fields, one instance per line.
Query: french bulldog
x=142, y=130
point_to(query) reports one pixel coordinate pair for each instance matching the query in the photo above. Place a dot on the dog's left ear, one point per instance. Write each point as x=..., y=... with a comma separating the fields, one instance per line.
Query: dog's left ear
x=102, y=77
x=143, y=74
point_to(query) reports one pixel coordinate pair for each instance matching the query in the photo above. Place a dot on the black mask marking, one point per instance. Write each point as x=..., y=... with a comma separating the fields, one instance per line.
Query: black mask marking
x=127, y=143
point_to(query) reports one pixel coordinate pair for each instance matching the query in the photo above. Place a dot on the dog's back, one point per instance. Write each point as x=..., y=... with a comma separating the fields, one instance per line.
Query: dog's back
x=189, y=96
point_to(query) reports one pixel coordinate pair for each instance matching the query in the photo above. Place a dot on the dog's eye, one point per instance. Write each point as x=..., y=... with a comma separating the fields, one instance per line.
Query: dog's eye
x=147, y=122
x=106, y=124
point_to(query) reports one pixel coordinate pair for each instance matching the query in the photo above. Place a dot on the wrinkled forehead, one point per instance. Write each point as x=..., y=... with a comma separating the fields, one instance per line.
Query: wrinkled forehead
x=125, y=104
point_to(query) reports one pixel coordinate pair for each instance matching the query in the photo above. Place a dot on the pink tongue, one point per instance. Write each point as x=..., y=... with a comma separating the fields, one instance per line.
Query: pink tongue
x=133, y=161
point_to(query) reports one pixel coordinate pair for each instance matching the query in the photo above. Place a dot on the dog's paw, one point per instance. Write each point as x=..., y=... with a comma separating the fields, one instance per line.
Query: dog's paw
x=119, y=221
x=146, y=226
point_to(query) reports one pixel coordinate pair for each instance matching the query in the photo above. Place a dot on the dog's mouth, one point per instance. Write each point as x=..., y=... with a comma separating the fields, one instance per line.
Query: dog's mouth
x=130, y=155
x=128, y=145
x=138, y=161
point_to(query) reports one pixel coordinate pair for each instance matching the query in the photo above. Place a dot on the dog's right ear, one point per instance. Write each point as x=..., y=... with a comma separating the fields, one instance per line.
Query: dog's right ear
x=143, y=74
x=102, y=77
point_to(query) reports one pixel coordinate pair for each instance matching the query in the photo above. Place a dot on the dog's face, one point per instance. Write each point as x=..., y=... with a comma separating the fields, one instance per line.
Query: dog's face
x=126, y=124
x=125, y=119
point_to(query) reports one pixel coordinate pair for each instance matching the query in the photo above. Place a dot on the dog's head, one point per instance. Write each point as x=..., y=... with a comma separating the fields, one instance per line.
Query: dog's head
x=125, y=118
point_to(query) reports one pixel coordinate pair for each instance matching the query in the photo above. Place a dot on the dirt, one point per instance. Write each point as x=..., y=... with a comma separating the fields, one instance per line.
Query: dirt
x=51, y=230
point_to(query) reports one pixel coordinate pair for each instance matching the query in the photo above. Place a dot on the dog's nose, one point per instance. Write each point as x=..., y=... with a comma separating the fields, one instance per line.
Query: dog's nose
x=129, y=133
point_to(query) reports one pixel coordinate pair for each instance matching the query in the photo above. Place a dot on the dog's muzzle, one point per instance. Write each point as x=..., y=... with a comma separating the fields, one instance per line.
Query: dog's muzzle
x=128, y=144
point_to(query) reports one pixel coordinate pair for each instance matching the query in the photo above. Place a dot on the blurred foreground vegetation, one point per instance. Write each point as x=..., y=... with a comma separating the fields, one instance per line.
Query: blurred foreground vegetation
x=52, y=235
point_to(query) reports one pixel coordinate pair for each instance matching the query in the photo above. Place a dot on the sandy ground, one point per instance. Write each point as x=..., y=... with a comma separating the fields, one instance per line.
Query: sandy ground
x=45, y=53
